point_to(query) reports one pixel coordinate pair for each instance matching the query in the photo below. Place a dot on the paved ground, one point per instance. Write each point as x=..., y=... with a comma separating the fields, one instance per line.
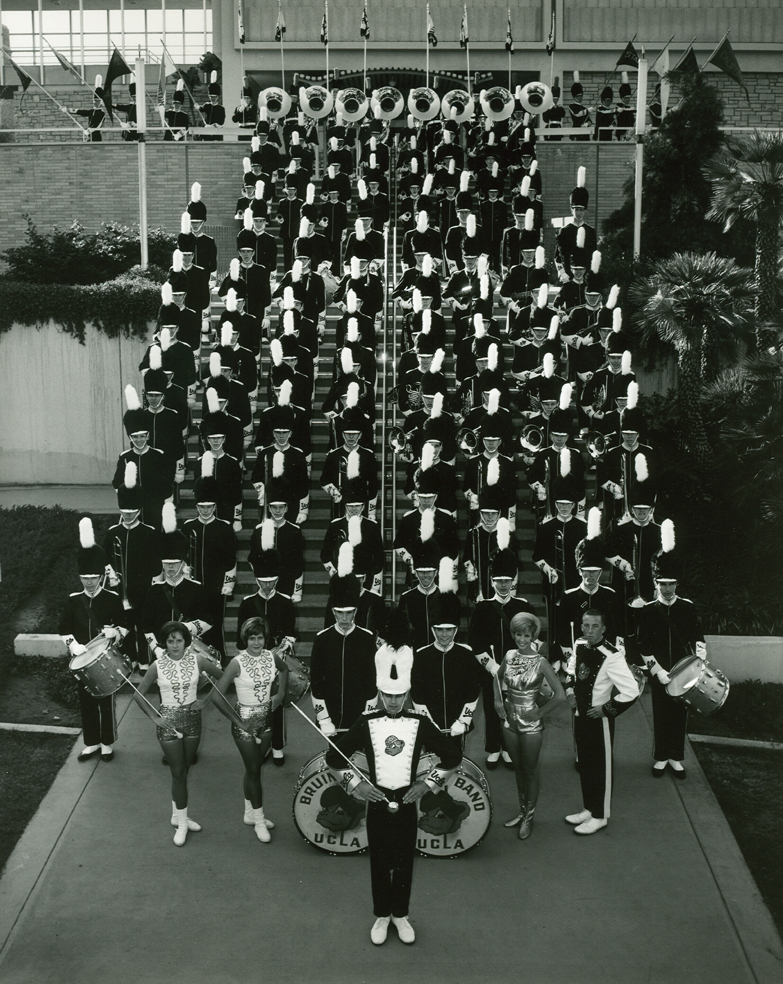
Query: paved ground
x=96, y=889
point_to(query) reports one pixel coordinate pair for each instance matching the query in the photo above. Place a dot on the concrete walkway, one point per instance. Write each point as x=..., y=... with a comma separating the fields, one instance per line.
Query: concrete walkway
x=96, y=890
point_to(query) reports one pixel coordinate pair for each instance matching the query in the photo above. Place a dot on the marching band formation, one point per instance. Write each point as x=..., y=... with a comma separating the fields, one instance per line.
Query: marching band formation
x=520, y=430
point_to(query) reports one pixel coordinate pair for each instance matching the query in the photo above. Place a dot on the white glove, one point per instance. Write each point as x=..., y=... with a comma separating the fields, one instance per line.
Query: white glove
x=179, y=478
x=540, y=493
x=296, y=597
x=227, y=590
x=301, y=517
x=663, y=677
x=327, y=728
x=701, y=650
x=112, y=634
x=458, y=728
x=237, y=525
x=77, y=649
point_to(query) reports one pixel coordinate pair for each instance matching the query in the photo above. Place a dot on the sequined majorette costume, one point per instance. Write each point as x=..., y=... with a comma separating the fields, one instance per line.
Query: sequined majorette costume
x=178, y=683
x=522, y=678
x=254, y=700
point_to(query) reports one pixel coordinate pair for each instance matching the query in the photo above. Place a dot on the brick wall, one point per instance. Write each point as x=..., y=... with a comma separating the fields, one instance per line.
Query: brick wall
x=97, y=182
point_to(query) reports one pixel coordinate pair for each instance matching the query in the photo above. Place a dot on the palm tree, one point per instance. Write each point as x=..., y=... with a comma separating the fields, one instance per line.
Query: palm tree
x=699, y=304
x=747, y=183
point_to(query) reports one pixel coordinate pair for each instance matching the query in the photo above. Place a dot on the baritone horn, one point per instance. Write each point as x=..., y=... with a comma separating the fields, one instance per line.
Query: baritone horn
x=352, y=104
x=423, y=103
x=596, y=445
x=467, y=440
x=457, y=105
x=532, y=438
x=275, y=101
x=536, y=97
x=315, y=101
x=387, y=103
x=497, y=103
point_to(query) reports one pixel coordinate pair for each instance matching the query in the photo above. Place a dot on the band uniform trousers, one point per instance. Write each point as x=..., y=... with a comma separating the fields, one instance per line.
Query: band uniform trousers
x=392, y=842
x=99, y=720
x=594, y=739
x=670, y=718
x=493, y=726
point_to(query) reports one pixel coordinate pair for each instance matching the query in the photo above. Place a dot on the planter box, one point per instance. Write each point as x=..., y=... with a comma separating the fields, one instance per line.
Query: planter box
x=747, y=657
x=39, y=644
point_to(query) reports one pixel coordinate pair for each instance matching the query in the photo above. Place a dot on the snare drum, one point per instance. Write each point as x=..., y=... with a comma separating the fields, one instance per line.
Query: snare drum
x=701, y=686
x=102, y=669
x=324, y=814
x=456, y=818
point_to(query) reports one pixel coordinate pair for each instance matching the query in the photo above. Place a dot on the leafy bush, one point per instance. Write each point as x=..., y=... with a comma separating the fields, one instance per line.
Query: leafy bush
x=73, y=256
x=126, y=304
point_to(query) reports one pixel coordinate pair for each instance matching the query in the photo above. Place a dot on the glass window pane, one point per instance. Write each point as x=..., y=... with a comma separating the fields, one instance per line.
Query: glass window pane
x=134, y=20
x=55, y=22
x=155, y=21
x=173, y=21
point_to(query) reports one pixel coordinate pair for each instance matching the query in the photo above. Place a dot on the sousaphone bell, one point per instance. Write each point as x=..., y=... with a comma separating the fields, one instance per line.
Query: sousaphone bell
x=352, y=104
x=497, y=103
x=457, y=105
x=315, y=101
x=423, y=103
x=535, y=97
x=275, y=101
x=387, y=103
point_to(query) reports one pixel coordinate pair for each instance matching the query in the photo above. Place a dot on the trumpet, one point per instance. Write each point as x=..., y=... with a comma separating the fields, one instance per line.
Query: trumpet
x=467, y=440
x=596, y=445
x=532, y=437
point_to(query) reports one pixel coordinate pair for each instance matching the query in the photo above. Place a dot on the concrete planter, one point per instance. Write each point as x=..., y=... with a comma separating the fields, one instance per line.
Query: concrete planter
x=747, y=657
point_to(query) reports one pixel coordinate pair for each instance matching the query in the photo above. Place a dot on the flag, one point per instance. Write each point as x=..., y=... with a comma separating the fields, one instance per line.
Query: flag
x=550, y=44
x=509, y=38
x=629, y=57
x=66, y=64
x=464, y=40
x=364, y=30
x=167, y=67
x=241, y=17
x=280, y=28
x=724, y=58
x=432, y=40
x=117, y=68
x=325, y=25
x=687, y=64
x=663, y=71
x=24, y=78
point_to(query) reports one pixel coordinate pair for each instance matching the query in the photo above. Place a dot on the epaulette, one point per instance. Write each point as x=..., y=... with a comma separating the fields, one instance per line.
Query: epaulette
x=439, y=509
x=410, y=512
x=75, y=594
x=327, y=629
x=688, y=600
x=295, y=526
x=361, y=628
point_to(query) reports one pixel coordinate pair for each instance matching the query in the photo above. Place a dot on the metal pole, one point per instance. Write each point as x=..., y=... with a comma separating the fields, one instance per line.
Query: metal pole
x=40, y=39
x=141, y=126
x=81, y=36
x=641, y=115
x=122, y=25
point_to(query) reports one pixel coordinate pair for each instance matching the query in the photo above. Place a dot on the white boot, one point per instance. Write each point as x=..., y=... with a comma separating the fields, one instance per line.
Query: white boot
x=192, y=825
x=181, y=816
x=248, y=818
x=262, y=833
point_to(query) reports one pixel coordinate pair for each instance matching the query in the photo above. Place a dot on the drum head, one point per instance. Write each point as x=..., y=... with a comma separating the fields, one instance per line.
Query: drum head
x=456, y=818
x=324, y=814
x=684, y=676
x=79, y=661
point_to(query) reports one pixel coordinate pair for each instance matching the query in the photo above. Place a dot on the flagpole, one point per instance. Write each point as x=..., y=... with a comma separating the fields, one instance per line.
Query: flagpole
x=614, y=70
x=141, y=129
x=641, y=122
x=326, y=22
x=427, y=44
x=364, y=77
x=467, y=48
x=280, y=32
x=660, y=54
x=187, y=88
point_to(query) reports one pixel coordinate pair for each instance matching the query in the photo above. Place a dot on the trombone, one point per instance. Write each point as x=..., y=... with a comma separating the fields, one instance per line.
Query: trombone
x=637, y=601
x=467, y=440
x=119, y=563
x=596, y=445
x=624, y=481
x=532, y=437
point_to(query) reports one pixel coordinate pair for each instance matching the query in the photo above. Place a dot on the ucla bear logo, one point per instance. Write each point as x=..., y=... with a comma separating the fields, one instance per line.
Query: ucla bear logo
x=394, y=746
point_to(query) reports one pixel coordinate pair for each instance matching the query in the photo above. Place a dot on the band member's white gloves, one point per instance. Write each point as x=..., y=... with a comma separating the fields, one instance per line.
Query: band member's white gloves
x=470, y=571
x=76, y=648
x=259, y=487
x=112, y=634
x=489, y=664
x=112, y=576
x=458, y=728
x=327, y=727
x=663, y=677
x=701, y=650
x=614, y=488
x=548, y=571
x=540, y=491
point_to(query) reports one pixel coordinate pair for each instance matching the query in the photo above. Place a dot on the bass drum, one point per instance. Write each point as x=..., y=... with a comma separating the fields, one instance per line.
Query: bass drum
x=455, y=819
x=324, y=814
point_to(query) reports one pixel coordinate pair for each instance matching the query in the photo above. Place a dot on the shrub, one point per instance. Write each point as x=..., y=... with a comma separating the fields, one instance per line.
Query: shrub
x=73, y=256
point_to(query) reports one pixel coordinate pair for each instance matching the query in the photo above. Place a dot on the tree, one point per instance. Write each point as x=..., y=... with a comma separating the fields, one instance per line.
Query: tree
x=747, y=184
x=675, y=193
x=700, y=305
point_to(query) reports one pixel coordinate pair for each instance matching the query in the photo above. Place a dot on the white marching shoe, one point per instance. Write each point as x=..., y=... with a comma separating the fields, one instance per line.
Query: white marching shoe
x=248, y=818
x=576, y=818
x=192, y=825
x=183, y=826
x=404, y=929
x=380, y=930
x=260, y=824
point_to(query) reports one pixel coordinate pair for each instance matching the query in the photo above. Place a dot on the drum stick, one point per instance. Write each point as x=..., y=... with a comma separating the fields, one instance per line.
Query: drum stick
x=151, y=706
x=391, y=806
